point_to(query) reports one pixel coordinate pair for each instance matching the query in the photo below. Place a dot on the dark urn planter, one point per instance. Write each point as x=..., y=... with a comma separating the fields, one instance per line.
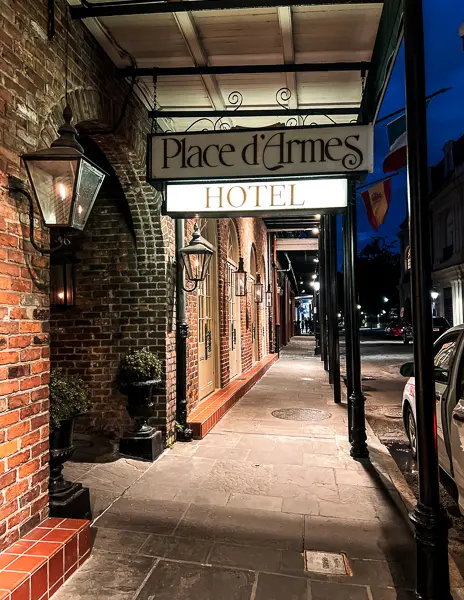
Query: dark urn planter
x=68, y=500
x=143, y=442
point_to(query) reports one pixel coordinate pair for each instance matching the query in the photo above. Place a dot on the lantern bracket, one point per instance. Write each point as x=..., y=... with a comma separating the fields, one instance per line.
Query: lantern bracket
x=188, y=290
x=16, y=187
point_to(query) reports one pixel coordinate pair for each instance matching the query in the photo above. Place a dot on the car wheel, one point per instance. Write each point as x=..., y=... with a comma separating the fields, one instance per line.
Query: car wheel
x=411, y=430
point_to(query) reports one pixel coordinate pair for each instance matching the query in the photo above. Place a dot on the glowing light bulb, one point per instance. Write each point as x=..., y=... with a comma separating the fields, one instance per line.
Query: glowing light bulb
x=61, y=295
x=314, y=276
x=62, y=191
x=315, y=230
x=80, y=209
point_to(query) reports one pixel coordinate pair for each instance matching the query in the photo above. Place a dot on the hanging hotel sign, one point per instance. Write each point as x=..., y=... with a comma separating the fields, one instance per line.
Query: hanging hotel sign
x=270, y=152
x=264, y=197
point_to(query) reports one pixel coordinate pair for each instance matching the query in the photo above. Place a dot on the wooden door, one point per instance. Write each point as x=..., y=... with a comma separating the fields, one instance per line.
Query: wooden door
x=207, y=320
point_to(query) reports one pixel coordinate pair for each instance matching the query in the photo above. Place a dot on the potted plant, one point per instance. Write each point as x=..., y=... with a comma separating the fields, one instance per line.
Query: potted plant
x=69, y=397
x=138, y=373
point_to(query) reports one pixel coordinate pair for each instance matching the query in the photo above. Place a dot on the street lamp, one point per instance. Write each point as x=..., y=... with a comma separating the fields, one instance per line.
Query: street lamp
x=269, y=296
x=240, y=279
x=358, y=306
x=64, y=182
x=316, y=285
x=385, y=300
x=258, y=289
x=196, y=257
x=434, y=295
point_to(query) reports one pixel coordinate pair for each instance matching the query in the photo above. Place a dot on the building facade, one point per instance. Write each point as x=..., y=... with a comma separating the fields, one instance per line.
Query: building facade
x=447, y=226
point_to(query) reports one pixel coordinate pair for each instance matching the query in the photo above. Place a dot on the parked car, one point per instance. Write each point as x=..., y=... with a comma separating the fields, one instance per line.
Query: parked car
x=440, y=325
x=449, y=395
x=394, y=329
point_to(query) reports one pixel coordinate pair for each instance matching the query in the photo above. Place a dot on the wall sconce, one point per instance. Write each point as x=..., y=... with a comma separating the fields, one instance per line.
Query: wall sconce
x=64, y=182
x=269, y=296
x=258, y=289
x=196, y=258
x=62, y=286
x=240, y=279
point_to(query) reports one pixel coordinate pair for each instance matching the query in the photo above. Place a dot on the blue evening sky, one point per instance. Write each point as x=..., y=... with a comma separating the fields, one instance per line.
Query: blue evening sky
x=445, y=114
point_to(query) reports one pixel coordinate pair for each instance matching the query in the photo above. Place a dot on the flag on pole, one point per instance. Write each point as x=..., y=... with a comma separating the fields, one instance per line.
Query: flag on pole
x=396, y=159
x=377, y=200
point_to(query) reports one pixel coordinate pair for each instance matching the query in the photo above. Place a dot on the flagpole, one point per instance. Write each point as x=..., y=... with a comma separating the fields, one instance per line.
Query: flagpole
x=371, y=183
x=402, y=110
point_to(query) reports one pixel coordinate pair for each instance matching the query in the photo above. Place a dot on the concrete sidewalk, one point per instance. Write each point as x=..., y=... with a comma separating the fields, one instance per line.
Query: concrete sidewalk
x=229, y=517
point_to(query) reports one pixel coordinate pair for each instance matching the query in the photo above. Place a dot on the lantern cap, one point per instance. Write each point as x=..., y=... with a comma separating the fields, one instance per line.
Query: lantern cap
x=65, y=146
x=241, y=266
x=198, y=244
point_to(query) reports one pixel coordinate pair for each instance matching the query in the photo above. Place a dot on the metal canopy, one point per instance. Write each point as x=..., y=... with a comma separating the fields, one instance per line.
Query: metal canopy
x=314, y=57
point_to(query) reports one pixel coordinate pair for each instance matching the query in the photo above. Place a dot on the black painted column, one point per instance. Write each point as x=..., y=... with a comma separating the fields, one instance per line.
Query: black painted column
x=184, y=433
x=323, y=293
x=333, y=314
x=429, y=517
x=329, y=298
x=348, y=324
x=358, y=428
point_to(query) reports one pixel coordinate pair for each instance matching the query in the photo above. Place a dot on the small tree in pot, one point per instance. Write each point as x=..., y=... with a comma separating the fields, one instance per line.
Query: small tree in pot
x=138, y=373
x=69, y=397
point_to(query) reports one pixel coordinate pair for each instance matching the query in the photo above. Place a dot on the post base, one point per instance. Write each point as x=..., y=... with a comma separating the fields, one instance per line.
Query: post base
x=184, y=435
x=431, y=532
x=359, y=448
x=72, y=504
x=142, y=447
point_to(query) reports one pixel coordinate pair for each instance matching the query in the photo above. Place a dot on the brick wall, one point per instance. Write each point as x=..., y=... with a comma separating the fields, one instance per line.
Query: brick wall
x=251, y=233
x=31, y=103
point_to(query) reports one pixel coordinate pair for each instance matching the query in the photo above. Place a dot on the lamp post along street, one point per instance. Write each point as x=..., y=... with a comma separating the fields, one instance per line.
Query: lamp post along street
x=429, y=518
x=358, y=418
x=184, y=433
x=348, y=325
x=322, y=305
x=335, y=341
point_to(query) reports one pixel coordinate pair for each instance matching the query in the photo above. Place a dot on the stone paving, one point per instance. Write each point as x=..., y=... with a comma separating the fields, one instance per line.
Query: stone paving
x=229, y=517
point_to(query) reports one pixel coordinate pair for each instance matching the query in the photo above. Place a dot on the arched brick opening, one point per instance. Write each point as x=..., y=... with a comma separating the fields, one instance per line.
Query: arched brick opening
x=131, y=246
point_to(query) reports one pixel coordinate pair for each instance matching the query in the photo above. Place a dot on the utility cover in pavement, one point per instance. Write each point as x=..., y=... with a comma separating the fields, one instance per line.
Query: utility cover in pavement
x=327, y=563
x=301, y=414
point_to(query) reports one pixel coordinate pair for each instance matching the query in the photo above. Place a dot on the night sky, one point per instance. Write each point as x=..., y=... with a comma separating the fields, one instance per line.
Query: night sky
x=445, y=114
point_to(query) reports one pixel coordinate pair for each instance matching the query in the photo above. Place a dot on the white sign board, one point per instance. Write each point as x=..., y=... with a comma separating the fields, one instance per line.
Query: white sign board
x=264, y=197
x=270, y=152
x=290, y=244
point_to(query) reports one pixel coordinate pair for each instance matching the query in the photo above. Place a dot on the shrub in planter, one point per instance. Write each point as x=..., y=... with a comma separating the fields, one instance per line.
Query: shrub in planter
x=69, y=397
x=139, y=371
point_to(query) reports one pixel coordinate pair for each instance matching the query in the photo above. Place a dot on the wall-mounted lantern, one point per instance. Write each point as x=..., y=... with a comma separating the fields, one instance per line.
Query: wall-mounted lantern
x=64, y=182
x=269, y=296
x=240, y=279
x=258, y=290
x=196, y=257
x=62, y=283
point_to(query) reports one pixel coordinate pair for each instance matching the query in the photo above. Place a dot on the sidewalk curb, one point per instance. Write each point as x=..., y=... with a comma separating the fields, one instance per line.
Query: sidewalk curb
x=384, y=459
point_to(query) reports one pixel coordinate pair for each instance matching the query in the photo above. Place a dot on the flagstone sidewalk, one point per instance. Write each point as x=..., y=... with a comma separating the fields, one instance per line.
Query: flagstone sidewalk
x=229, y=517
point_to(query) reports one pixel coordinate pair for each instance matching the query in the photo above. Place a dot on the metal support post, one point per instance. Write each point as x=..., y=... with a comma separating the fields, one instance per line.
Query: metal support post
x=184, y=433
x=358, y=430
x=333, y=315
x=348, y=326
x=323, y=294
x=276, y=297
x=329, y=298
x=429, y=517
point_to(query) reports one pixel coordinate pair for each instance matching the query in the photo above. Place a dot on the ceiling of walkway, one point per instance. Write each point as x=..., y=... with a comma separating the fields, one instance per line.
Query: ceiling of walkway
x=336, y=39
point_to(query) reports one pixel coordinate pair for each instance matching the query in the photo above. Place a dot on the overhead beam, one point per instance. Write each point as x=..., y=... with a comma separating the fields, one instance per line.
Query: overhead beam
x=197, y=114
x=284, y=14
x=189, y=32
x=291, y=244
x=128, y=7
x=242, y=69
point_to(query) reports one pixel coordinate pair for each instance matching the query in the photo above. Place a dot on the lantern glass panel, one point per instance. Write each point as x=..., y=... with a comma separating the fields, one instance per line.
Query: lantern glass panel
x=53, y=184
x=240, y=283
x=62, y=285
x=269, y=299
x=258, y=292
x=88, y=185
x=196, y=265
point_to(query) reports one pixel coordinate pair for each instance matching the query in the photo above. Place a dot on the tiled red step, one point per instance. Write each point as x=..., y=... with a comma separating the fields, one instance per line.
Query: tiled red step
x=36, y=566
x=214, y=407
